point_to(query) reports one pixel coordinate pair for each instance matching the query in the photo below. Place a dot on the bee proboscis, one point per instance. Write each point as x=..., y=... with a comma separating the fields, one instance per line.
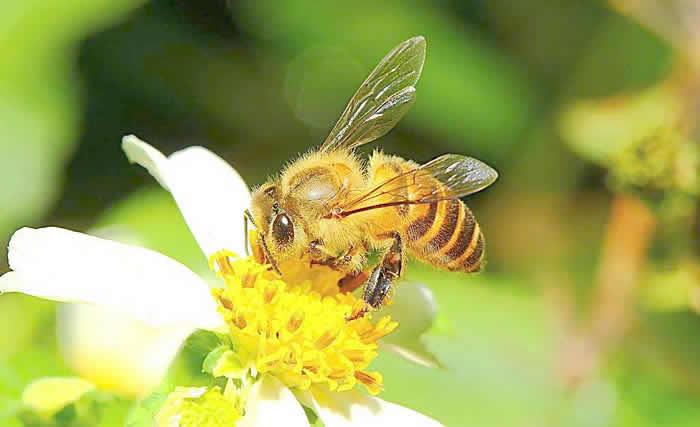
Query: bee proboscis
x=331, y=208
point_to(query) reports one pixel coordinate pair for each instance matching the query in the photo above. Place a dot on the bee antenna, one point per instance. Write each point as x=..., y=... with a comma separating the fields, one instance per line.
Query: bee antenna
x=246, y=243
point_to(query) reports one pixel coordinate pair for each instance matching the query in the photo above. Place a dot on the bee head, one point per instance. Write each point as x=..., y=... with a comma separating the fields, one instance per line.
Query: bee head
x=278, y=229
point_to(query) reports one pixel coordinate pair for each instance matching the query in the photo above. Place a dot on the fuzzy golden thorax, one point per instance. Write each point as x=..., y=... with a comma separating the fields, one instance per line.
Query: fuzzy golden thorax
x=291, y=211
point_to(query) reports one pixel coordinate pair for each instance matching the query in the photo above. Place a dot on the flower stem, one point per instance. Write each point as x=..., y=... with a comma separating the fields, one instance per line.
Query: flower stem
x=628, y=234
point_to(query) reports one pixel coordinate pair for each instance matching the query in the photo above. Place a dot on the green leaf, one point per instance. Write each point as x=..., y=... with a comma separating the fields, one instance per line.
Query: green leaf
x=224, y=362
x=186, y=369
x=213, y=358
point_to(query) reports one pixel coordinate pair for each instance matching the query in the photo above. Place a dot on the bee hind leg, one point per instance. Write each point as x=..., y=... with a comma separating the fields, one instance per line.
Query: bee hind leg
x=380, y=284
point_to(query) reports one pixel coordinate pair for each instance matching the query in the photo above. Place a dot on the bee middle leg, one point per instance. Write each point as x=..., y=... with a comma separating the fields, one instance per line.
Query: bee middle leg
x=350, y=261
x=352, y=281
x=381, y=281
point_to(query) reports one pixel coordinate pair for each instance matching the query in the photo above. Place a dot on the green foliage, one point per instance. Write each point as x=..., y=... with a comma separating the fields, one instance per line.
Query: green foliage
x=494, y=348
x=467, y=88
x=665, y=161
x=25, y=317
x=39, y=105
x=90, y=409
x=643, y=141
x=498, y=357
x=144, y=412
x=198, y=408
x=673, y=289
x=599, y=130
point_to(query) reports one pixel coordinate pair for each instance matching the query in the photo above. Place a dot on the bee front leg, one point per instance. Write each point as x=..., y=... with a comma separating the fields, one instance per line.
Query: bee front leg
x=381, y=281
x=321, y=256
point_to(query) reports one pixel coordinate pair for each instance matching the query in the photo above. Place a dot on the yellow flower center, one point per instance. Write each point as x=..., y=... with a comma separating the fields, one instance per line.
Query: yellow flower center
x=295, y=333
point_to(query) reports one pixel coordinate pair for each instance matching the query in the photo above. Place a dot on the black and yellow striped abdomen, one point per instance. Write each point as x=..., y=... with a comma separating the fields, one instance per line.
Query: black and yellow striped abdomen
x=453, y=239
x=444, y=234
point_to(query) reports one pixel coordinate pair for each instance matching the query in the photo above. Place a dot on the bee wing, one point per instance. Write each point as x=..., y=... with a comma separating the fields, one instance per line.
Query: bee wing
x=461, y=175
x=450, y=176
x=382, y=99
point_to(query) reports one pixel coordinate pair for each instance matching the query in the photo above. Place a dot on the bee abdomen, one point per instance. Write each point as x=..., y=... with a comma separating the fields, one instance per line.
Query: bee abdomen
x=453, y=213
x=455, y=243
x=421, y=225
x=466, y=251
x=475, y=259
x=447, y=236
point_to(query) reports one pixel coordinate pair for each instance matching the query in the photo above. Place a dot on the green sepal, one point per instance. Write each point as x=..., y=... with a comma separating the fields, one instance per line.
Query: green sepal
x=198, y=407
x=223, y=362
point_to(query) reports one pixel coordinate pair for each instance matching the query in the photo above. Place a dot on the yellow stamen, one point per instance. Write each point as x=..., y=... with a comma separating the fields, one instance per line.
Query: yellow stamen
x=371, y=380
x=294, y=332
x=220, y=262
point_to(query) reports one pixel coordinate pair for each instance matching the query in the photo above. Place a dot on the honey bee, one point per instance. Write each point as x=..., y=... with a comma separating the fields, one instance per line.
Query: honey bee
x=331, y=208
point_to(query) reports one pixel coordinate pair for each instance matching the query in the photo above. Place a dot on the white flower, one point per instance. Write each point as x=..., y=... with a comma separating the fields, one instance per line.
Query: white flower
x=93, y=340
x=67, y=266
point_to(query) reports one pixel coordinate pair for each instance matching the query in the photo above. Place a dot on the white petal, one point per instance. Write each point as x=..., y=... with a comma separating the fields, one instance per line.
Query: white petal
x=210, y=194
x=271, y=403
x=354, y=408
x=416, y=352
x=93, y=340
x=67, y=266
x=145, y=155
x=414, y=308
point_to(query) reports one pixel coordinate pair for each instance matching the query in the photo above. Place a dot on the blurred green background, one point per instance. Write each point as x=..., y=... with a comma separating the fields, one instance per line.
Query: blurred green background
x=587, y=313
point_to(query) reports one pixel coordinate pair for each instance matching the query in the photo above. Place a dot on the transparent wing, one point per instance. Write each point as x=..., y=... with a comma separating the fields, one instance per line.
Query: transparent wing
x=461, y=175
x=450, y=176
x=382, y=100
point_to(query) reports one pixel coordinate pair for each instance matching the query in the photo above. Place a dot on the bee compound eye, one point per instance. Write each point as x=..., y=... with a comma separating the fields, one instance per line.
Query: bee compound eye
x=283, y=229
